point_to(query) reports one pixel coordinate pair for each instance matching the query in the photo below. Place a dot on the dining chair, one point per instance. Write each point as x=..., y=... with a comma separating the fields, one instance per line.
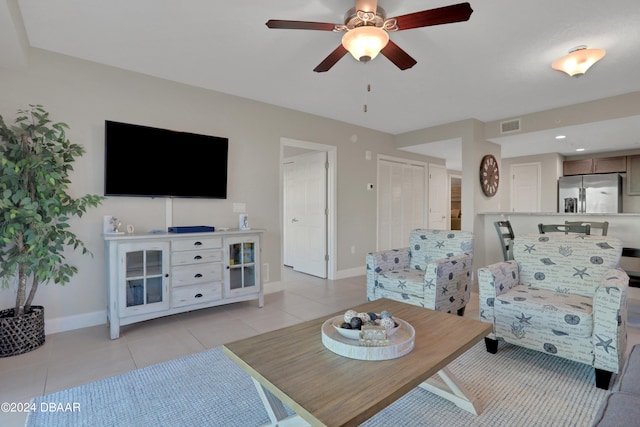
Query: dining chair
x=564, y=228
x=603, y=226
x=505, y=234
x=632, y=271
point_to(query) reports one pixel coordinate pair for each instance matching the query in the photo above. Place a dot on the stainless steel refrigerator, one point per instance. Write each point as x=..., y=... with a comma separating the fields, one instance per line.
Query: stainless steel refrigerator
x=600, y=193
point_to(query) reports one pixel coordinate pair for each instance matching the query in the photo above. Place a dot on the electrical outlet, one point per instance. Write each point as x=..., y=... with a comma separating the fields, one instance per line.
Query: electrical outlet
x=239, y=207
x=353, y=250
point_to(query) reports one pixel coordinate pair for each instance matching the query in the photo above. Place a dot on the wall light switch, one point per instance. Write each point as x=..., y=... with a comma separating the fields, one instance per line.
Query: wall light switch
x=239, y=207
x=367, y=155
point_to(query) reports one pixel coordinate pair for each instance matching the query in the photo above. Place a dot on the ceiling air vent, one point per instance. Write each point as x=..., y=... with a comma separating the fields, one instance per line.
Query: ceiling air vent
x=510, y=126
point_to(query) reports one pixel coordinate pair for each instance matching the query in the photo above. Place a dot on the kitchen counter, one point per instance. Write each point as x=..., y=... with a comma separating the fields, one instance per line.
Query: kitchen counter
x=506, y=214
x=558, y=214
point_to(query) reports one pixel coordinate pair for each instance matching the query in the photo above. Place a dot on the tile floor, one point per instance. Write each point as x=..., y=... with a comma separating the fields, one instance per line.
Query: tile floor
x=84, y=355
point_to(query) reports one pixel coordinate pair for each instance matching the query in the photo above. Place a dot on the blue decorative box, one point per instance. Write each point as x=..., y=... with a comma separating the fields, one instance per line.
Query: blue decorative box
x=192, y=229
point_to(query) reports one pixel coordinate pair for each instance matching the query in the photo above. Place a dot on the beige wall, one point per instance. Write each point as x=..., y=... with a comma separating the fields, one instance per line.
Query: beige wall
x=84, y=94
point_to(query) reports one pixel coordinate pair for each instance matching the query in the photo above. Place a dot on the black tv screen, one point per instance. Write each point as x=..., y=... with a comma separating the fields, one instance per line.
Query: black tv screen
x=150, y=162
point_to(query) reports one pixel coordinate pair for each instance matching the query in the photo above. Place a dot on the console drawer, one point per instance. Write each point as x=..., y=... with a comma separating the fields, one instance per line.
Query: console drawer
x=196, y=257
x=196, y=294
x=196, y=273
x=196, y=243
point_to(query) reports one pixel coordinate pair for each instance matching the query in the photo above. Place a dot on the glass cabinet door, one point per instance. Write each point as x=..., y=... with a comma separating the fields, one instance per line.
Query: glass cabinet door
x=242, y=266
x=144, y=279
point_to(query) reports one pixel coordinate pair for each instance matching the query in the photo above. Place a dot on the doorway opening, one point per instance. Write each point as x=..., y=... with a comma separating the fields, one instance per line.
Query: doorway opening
x=455, y=197
x=308, y=207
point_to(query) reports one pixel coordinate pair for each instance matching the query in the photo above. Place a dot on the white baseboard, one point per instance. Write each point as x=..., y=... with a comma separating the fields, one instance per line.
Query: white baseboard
x=85, y=320
x=77, y=321
x=351, y=272
x=272, y=287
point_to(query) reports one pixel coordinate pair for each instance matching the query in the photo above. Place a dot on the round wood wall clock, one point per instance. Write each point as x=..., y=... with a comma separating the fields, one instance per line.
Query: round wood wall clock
x=489, y=175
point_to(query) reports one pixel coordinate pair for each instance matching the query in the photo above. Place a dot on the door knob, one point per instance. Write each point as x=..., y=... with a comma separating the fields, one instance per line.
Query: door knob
x=294, y=220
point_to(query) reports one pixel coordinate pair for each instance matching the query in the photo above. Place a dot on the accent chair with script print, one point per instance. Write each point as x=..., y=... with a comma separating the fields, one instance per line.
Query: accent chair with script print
x=433, y=272
x=562, y=294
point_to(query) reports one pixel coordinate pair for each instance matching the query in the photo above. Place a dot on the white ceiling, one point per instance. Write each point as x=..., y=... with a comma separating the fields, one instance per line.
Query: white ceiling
x=492, y=67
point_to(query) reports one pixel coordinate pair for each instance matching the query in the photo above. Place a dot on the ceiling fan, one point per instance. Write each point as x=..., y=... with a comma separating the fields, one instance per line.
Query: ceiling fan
x=367, y=30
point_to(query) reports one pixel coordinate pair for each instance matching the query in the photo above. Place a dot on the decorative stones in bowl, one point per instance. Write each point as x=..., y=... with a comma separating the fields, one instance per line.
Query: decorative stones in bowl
x=350, y=325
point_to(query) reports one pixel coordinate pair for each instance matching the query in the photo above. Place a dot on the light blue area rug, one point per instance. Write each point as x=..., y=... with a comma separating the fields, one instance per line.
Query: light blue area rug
x=516, y=387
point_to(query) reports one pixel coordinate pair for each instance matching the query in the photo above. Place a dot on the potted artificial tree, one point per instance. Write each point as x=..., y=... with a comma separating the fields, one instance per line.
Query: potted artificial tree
x=35, y=209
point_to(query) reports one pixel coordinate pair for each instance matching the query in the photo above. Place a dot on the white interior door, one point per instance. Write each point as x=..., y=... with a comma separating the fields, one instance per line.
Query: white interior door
x=287, y=234
x=438, y=198
x=401, y=201
x=308, y=209
x=525, y=187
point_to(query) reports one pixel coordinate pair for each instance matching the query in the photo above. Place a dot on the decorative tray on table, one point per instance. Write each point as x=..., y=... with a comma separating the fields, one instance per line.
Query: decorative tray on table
x=369, y=342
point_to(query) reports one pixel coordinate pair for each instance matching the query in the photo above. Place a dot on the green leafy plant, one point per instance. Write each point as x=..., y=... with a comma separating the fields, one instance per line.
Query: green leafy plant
x=35, y=205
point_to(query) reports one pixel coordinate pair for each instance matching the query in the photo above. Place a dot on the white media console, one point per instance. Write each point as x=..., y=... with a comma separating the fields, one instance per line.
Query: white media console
x=155, y=275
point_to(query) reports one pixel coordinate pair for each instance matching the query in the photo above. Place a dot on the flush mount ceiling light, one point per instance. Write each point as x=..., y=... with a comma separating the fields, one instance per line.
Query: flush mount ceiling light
x=366, y=42
x=578, y=61
x=561, y=136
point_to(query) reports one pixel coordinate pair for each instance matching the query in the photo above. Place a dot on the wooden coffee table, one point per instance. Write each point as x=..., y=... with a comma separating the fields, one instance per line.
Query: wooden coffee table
x=292, y=366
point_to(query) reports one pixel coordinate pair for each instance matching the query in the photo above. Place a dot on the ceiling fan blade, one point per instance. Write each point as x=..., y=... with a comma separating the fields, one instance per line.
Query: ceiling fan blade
x=395, y=54
x=300, y=25
x=367, y=5
x=442, y=15
x=331, y=60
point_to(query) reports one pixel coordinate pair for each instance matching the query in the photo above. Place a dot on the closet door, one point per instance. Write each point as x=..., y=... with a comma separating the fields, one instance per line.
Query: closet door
x=401, y=201
x=438, y=198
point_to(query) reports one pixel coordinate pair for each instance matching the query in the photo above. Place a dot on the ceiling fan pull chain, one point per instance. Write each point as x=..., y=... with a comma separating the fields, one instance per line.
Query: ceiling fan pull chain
x=366, y=97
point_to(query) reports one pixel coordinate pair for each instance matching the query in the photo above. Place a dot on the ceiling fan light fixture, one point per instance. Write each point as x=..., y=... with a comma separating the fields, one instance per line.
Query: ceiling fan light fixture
x=578, y=61
x=365, y=42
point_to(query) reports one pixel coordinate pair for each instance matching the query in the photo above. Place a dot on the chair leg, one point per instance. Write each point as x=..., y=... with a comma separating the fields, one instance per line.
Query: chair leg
x=492, y=345
x=603, y=378
x=461, y=311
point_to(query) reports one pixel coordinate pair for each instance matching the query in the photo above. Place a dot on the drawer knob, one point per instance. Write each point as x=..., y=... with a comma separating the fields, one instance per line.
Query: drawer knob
x=197, y=276
x=197, y=257
x=198, y=295
x=197, y=244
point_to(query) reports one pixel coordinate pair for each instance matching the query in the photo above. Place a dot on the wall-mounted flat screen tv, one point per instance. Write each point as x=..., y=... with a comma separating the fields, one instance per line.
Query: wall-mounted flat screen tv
x=145, y=161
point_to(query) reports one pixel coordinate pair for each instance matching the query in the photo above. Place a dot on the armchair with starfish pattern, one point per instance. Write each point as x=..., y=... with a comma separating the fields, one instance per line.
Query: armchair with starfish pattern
x=433, y=272
x=561, y=294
